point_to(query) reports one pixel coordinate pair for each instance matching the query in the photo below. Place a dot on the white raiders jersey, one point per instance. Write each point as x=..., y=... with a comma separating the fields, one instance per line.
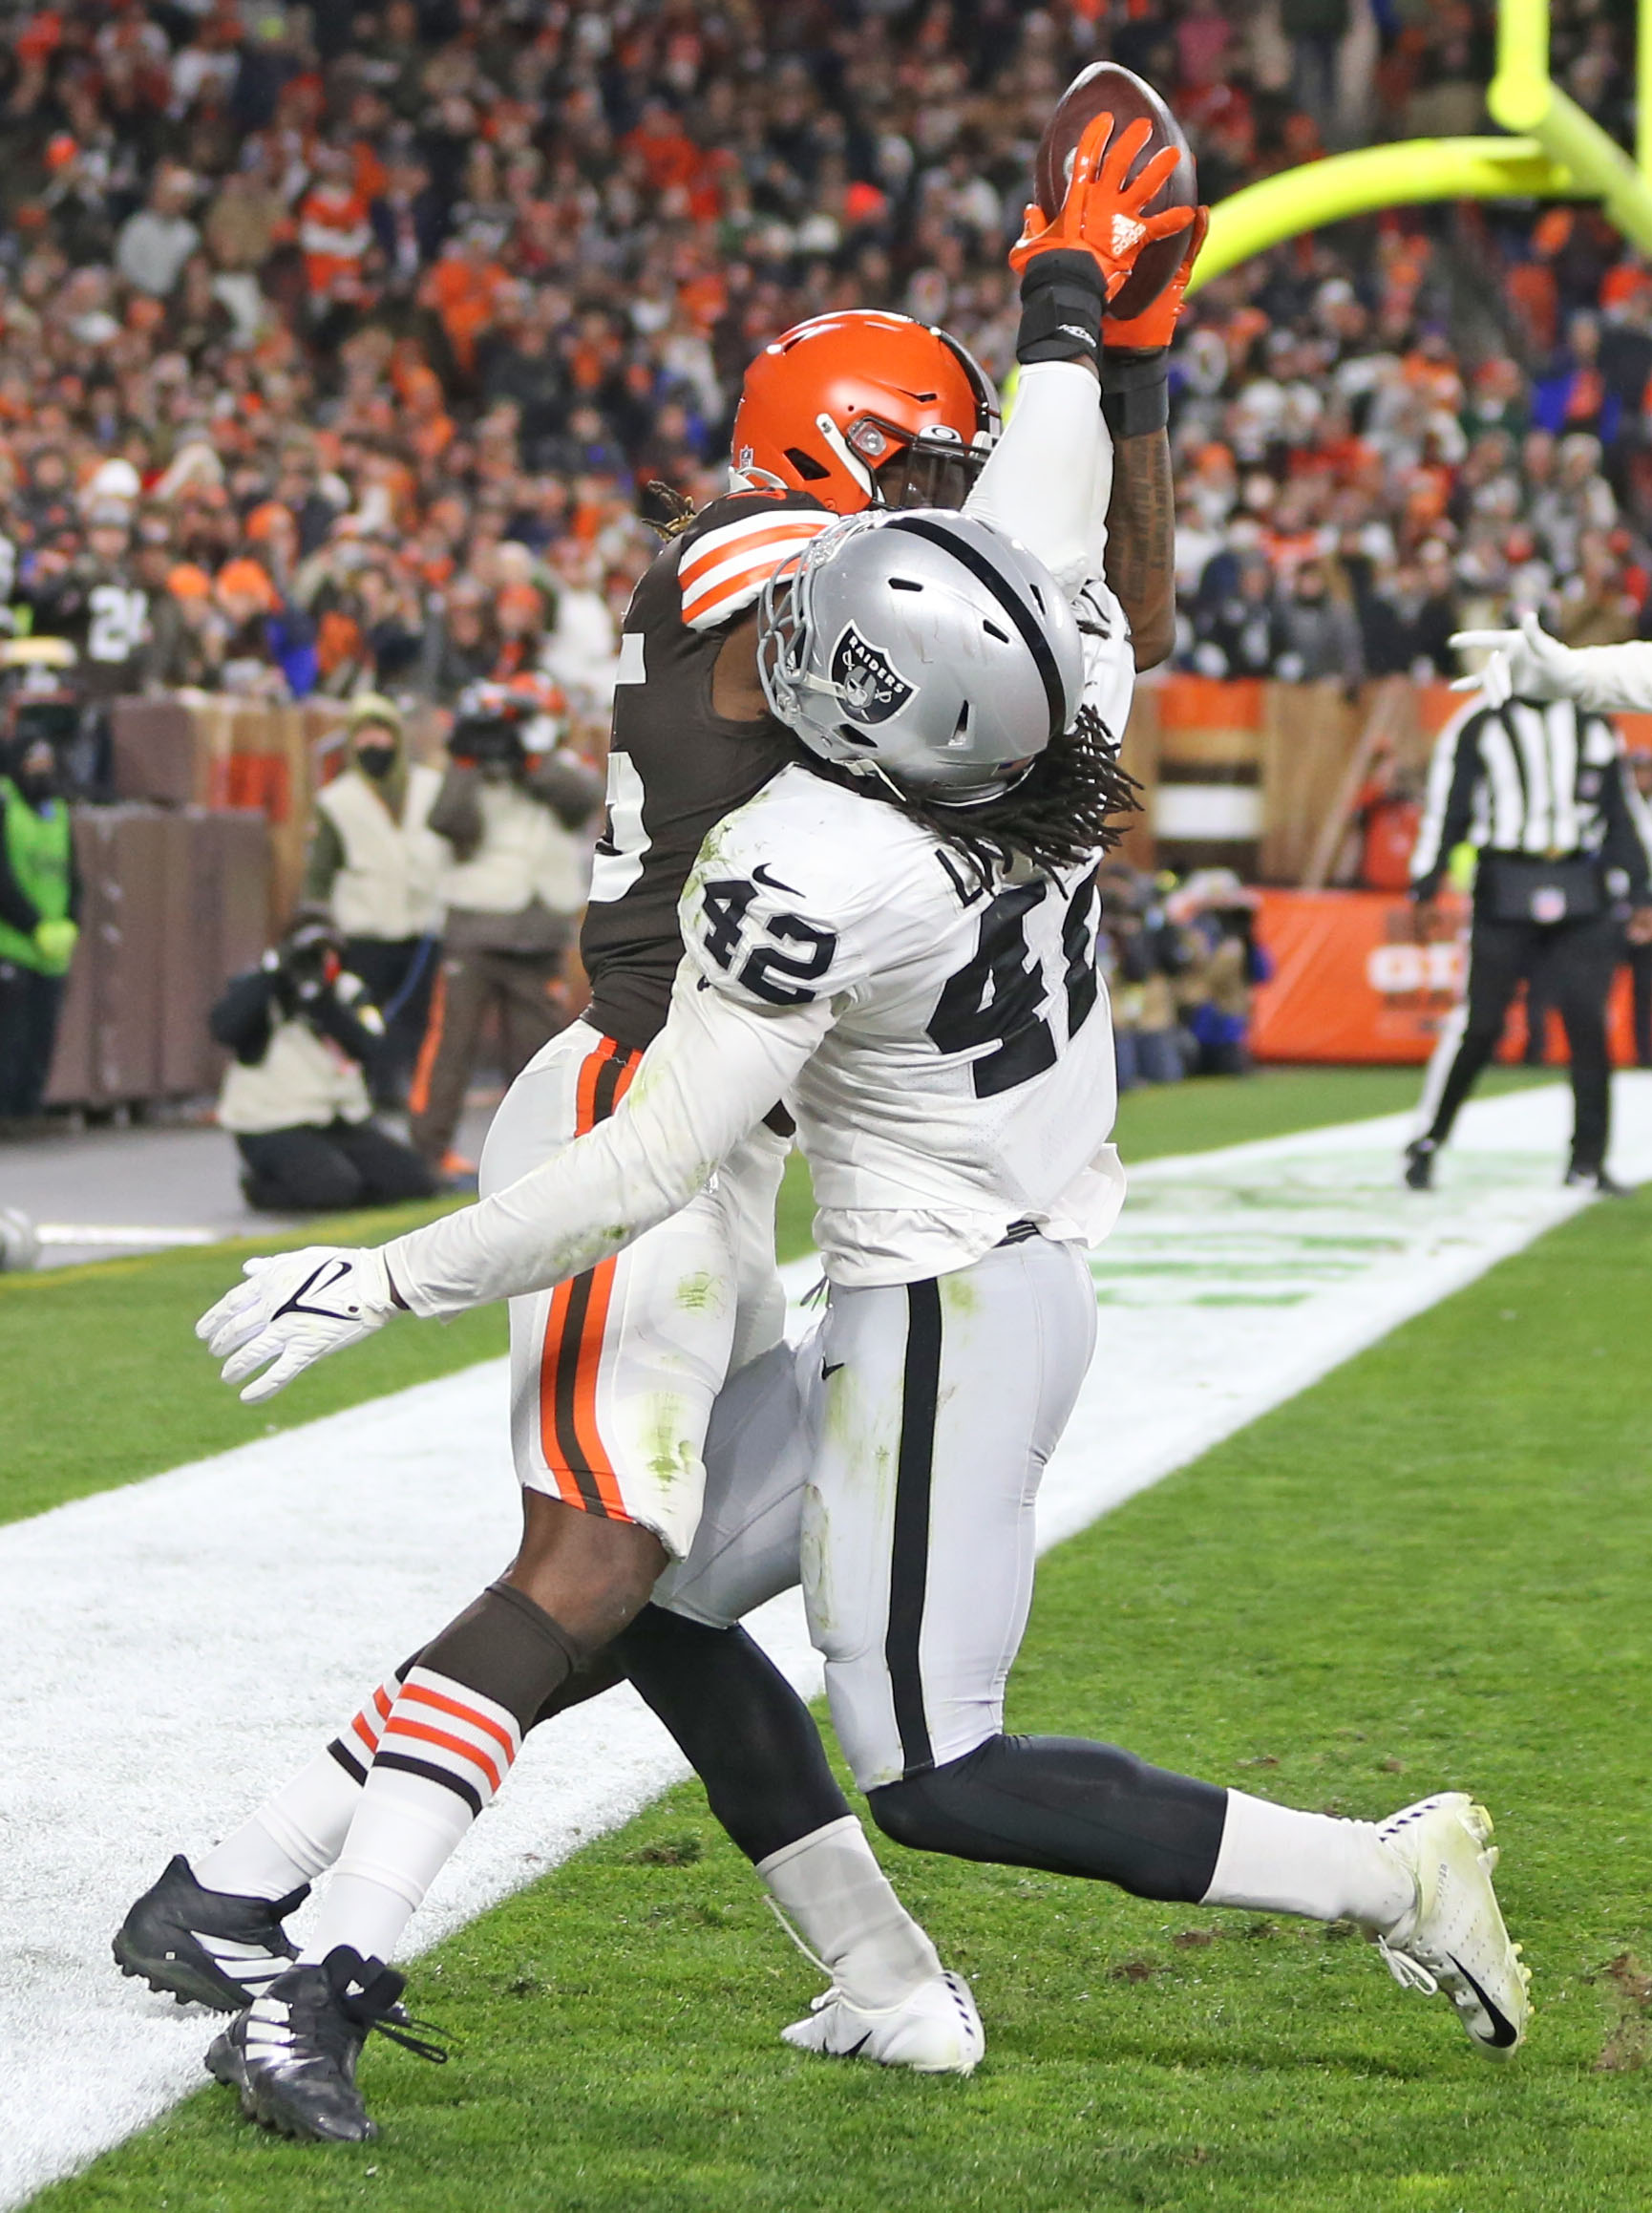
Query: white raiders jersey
x=944, y=1045
x=967, y=1080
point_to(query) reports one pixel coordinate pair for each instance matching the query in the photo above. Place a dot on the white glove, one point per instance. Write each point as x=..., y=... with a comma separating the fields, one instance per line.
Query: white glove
x=1526, y=662
x=292, y=1311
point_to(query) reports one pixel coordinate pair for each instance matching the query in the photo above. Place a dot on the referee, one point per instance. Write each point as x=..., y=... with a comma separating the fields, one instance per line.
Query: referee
x=1540, y=787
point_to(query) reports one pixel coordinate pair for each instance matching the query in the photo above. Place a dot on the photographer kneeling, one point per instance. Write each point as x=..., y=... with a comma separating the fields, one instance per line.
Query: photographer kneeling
x=303, y=1030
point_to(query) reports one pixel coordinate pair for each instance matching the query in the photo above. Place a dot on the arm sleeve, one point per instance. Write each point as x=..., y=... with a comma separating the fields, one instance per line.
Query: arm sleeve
x=1629, y=840
x=1612, y=679
x=1452, y=775
x=710, y=1075
x=344, y=1013
x=16, y=907
x=1039, y=483
x=242, y=1018
x=323, y=860
x=455, y=813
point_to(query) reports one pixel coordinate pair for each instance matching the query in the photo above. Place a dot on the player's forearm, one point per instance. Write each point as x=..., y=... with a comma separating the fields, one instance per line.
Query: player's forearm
x=1612, y=679
x=709, y=1076
x=1141, y=543
x=1039, y=480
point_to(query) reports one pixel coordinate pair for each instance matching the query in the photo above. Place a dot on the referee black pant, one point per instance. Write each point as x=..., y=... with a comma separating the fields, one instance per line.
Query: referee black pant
x=1564, y=965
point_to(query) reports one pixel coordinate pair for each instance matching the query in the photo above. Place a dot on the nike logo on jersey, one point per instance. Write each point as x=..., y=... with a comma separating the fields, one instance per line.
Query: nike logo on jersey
x=829, y=1369
x=774, y=883
x=330, y=1272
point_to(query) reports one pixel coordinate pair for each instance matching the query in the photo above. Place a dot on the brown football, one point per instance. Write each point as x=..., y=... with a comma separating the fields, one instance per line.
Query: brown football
x=1104, y=88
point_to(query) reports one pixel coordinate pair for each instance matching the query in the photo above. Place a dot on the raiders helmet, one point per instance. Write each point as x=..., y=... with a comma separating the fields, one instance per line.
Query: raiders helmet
x=924, y=647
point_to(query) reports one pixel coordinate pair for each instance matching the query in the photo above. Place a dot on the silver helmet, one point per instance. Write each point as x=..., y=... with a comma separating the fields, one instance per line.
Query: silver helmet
x=924, y=647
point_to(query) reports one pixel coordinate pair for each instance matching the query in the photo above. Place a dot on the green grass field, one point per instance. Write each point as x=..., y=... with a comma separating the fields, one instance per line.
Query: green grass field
x=105, y=1383
x=1430, y=1569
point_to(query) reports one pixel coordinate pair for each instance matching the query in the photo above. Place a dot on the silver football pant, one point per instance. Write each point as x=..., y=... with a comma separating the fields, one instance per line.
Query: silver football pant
x=891, y=1464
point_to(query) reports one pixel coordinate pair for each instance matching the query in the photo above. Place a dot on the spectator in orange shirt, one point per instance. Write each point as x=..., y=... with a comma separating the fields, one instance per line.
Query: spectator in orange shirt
x=667, y=152
x=334, y=233
x=464, y=289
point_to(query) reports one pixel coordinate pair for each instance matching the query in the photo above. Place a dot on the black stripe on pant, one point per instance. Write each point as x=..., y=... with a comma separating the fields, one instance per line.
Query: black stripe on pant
x=909, y=1555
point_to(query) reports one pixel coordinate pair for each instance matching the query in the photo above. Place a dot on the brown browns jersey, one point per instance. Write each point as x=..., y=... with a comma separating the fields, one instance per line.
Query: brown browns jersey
x=675, y=766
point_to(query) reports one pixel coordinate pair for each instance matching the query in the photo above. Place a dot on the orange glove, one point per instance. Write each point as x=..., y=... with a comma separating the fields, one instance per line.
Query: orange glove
x=1102, y=213
x=1153, y=329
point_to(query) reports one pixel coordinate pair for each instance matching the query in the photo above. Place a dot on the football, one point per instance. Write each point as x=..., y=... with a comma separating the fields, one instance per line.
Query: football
x=1104, y=88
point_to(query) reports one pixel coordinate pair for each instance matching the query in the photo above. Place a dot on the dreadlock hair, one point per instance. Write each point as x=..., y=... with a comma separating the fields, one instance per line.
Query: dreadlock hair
x=1061, y=813
x=680, y=510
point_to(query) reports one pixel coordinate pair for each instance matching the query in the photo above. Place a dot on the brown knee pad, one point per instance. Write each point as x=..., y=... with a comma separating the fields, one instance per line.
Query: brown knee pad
x=508, y=1649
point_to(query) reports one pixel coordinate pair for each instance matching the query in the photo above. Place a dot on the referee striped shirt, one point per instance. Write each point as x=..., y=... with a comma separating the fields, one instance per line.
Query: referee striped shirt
x=1542, y=778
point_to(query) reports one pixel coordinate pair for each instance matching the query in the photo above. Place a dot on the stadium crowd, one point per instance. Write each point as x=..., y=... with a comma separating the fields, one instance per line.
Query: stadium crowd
x=344, y=343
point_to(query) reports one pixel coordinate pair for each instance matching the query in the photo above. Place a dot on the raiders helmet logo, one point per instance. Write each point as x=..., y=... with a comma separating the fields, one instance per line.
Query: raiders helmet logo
x=869, y=688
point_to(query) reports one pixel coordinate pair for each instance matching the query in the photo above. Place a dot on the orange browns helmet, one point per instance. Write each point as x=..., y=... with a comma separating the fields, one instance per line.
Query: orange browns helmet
x=865, y=410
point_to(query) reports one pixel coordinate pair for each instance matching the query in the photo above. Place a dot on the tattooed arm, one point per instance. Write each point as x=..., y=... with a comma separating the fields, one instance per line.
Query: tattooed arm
x=1141, y=512
x=1141, y=543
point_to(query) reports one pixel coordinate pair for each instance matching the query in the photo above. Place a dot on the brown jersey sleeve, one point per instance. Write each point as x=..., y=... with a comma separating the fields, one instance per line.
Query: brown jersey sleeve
x=675, y=766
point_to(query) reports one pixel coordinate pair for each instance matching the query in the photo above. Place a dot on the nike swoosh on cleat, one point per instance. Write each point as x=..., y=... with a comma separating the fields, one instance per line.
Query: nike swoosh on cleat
x=1503, y=2030
x=855, y=2050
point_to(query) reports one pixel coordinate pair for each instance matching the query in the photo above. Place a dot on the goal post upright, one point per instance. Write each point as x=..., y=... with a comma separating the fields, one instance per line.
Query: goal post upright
x=1555, y=152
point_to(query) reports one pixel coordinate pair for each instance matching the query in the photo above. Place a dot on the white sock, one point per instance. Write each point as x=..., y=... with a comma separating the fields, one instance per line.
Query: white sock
x=405, y=1832
x=1276, y=1859
x=293, y=1836
x=444, y=1753
x=840, y=1902
x=297, y=1833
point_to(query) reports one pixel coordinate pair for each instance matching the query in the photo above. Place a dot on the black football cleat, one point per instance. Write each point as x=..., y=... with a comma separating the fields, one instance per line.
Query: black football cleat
x=292, y=2053
x=1420, y=1164
x=208, y=1947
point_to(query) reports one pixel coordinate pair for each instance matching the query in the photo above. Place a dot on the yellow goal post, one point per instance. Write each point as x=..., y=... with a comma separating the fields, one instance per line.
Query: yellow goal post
x=1556, y=151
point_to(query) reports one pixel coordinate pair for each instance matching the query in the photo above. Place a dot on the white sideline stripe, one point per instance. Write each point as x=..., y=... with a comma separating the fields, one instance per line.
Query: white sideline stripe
x=173, y=1649
x=141, y=1238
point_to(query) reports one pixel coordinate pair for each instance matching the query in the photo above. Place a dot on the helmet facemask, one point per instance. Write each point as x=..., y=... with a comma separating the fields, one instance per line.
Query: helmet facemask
x=935, y=469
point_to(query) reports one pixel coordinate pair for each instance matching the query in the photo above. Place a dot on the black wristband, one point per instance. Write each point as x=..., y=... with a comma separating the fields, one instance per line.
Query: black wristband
x=1062, y=304
x=1135, y=391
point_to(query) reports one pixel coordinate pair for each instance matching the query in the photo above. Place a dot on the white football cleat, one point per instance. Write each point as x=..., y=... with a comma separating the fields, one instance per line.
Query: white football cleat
x=935, y=2030
x=1453, y=1939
